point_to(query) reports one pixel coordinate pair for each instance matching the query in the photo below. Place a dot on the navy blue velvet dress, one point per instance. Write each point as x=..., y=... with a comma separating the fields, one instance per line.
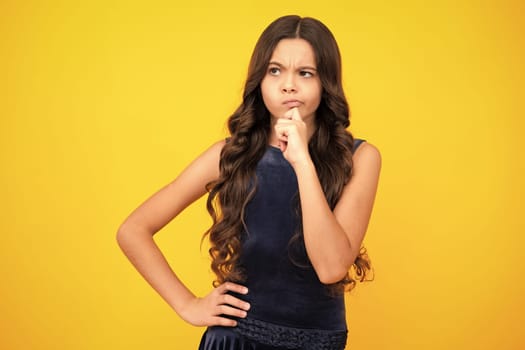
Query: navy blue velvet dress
x=290, y=307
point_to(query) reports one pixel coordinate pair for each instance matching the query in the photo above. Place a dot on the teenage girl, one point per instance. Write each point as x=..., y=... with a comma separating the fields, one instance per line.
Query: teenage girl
x=290, y=192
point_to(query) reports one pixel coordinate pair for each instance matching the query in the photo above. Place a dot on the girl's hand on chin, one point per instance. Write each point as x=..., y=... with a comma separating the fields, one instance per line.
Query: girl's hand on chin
x=212, y=309
x=292, y=136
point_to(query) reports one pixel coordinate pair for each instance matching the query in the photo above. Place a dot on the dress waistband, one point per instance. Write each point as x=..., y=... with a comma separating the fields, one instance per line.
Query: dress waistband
x=290, y=337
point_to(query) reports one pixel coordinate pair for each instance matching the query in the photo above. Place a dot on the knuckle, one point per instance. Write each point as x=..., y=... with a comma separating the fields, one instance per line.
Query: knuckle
x=228, y=323
x=241, y=313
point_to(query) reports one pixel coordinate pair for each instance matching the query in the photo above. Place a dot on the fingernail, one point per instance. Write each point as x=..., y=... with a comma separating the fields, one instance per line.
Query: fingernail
x=248, y=306
x=245, y=290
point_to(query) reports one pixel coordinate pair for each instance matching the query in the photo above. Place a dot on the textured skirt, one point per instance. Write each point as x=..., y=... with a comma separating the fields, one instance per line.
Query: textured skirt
x=253, y=334
x=225, y=338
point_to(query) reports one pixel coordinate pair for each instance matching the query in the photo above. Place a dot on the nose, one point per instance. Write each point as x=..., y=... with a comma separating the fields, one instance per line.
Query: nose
x=288, y=85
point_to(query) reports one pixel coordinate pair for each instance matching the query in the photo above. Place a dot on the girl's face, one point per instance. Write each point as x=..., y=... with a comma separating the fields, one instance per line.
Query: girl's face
x=292, y=80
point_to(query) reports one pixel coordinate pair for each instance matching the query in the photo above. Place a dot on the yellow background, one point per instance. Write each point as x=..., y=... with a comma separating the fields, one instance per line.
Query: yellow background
x=104, y=102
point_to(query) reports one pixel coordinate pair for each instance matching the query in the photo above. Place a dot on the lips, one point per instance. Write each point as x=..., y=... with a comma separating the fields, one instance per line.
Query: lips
x=292, y=103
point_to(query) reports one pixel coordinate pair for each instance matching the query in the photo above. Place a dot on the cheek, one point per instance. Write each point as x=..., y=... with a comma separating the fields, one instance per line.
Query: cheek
x=264, y=92
x=268, y=94
x=265, y=89
x=315, y=96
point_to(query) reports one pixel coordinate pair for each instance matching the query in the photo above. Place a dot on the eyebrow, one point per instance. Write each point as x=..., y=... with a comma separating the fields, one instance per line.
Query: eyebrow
x=282, y=66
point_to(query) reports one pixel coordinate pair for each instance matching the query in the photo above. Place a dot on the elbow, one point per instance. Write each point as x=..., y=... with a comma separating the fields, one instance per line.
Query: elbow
x=127, y=233
x=331, y=276
x=122, y=236
x=334, y=273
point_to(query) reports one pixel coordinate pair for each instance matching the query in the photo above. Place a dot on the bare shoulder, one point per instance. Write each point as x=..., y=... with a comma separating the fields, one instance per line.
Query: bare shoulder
x=212, y=155
x=205, y=168
x=367, y=156
x=216, y=148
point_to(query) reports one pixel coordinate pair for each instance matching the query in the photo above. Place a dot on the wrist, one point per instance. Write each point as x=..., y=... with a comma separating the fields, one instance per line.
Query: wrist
x=184, y=308
x=303, y=164
x=180, y=303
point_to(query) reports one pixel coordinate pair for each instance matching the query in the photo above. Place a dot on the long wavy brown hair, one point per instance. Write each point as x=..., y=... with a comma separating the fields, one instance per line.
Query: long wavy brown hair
x=330, y=147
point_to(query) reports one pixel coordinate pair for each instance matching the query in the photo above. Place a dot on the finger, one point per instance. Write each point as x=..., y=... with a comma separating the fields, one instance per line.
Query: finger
x=293, y=114
x=283, y=140
x=233, y=287
x=222, y=321
x=233, y=301
x=283, y=123
x=231, y=311
x=281, y=132
x=283, y=129
x=283, y=145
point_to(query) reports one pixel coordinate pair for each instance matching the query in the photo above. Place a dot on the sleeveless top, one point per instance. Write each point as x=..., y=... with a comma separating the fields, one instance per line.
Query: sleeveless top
x=290, y=307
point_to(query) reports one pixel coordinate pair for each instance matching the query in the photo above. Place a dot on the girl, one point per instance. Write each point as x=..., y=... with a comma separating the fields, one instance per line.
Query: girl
x=290, y=193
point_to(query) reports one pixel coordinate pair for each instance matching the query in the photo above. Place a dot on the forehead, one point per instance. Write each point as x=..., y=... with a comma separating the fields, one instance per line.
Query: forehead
x=294, y=51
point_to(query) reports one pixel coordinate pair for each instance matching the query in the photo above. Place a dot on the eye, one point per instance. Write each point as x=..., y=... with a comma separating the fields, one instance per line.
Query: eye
x=274, y=70
x=306, y=74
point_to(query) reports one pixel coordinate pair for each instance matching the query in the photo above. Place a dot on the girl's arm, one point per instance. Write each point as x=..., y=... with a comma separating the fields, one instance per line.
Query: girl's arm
x=332, y=239
x=135, y=237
